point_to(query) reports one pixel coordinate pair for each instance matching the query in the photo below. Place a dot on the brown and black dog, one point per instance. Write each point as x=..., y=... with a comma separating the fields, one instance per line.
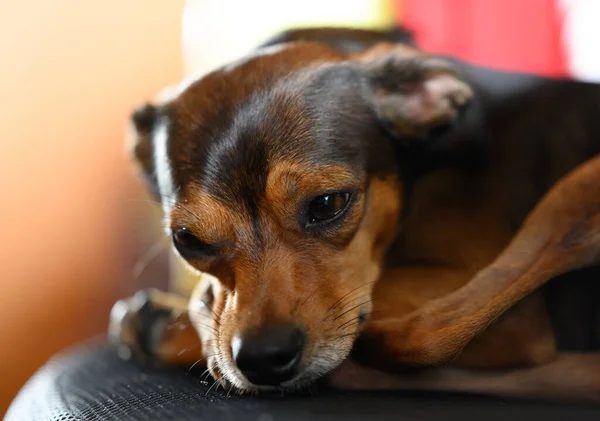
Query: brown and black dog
x=357, y=207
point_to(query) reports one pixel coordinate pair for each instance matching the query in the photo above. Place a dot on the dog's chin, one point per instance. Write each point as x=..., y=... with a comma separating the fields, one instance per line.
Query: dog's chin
x=232, y=379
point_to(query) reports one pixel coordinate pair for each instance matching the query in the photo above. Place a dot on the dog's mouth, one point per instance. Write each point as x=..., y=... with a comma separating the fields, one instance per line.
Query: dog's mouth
x=284, y=373
x=275, y=356
x=249, y=367
x=232, y=379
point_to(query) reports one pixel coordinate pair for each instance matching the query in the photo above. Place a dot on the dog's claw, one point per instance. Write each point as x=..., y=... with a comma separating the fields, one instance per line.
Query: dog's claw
x=135, y=327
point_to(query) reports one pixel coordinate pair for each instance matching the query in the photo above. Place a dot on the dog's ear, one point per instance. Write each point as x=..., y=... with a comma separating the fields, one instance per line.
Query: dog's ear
x=412, y=94
x=140, y=145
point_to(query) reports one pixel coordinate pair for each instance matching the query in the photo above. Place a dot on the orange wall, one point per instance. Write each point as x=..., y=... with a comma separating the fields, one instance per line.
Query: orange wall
x=71, y=72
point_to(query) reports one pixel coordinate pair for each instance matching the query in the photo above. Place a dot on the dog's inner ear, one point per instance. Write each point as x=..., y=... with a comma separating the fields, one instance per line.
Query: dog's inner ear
x=413, y=95
x=143, y=120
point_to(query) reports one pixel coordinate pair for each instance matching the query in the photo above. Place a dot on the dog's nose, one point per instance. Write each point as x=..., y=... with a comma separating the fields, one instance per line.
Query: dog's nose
x=269, y=355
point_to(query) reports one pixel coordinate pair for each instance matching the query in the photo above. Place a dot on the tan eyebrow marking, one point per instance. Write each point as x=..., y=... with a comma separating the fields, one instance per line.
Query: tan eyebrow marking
x=287, y=180
x=208, y=218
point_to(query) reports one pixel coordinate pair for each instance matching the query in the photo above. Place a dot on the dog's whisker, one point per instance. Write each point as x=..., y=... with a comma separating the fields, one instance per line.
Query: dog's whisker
x=212, y=328
x=345, y=324
x=215, y=309
x=215, y=317
x=189, y=348
x=216, y=322
x=212, y=317
x=145, y=259
x=348, y=302
x=185, y=323
x=194, y=365
x=216, y=382
x=175, y=203
x=362, y=315
x=204, y=374
x=373, y=298
x=198, y=362
x=210, y=320
x=213, y=312
x=339, y=301
x=182, y=206
x=342, y=336
x=228, y=393
x=313, y=292
x=352, y=308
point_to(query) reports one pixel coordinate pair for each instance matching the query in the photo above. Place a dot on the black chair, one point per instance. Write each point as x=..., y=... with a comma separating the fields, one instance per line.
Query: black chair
x=92, y=383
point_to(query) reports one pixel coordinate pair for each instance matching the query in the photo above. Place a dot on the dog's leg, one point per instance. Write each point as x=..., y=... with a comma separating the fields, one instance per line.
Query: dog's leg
x=521, y=337
x=573, y=377
x=562, y=233
x=154, y=327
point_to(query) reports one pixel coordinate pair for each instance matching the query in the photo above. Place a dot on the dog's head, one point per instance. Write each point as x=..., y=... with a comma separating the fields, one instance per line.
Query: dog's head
x=279, y=175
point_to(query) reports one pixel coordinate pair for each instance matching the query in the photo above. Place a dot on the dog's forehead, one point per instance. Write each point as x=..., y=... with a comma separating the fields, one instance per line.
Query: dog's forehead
x=227, y=130
x=235, y=82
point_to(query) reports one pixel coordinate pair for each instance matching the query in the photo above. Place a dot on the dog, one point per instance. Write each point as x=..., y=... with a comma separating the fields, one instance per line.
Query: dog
x=366, y=214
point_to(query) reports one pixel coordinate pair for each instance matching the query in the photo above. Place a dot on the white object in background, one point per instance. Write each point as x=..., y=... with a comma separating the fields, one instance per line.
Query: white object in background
x=216, y=32
x=581, y=33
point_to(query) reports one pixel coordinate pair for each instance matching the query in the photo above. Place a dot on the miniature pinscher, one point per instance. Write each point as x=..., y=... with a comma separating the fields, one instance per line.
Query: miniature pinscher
x=362, y=212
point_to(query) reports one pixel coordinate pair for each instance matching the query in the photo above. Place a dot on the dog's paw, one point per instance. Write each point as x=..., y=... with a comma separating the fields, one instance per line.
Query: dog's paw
x=140, y=325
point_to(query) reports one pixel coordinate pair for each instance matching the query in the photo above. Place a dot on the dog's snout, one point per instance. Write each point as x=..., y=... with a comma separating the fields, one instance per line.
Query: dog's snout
x=269, y=355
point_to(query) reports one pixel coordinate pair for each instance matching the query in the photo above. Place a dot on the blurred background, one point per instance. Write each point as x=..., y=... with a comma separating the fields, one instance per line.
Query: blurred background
x=77, y=230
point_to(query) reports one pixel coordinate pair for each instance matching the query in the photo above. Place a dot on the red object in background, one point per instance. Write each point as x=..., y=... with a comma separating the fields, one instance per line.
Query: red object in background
x=516, y=35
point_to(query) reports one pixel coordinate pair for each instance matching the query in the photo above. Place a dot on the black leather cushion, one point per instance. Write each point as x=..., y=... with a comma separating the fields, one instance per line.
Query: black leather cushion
x=92, y=383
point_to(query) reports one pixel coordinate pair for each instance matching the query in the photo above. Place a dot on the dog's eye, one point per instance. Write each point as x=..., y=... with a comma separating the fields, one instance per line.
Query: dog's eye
x=327, y=207
x=190, y=246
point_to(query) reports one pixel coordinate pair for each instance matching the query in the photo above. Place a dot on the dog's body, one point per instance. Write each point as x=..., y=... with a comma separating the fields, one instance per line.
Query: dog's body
x=449, y=220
